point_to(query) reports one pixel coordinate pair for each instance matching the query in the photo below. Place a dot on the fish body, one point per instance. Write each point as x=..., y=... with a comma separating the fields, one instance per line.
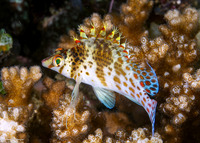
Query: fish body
x=102, y=62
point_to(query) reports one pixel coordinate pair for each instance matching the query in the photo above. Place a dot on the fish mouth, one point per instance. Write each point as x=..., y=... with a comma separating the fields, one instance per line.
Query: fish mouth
x=47, y=62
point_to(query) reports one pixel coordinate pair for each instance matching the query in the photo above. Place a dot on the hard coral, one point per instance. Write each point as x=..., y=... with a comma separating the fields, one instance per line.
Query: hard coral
x=133, y=16
x=13, y=122
x=54, y=92
x=193, y=80
x=68, y=123
x=138, y=135
x=172, y=54
x=95, y=139
x=18, y=83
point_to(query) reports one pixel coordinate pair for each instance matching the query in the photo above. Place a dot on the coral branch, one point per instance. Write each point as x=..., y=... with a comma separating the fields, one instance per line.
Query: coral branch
x=18, y=83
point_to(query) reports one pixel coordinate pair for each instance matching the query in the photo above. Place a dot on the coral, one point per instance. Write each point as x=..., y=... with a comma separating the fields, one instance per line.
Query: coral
x=13, y=122
x=172, y=53
x=115, y=121
x=66, y=42
x=151, y=50
x=174, y=70
x=133, y=16
x=18, y=83
x=69, y=123
x=193, y=80
x=54, y=91
x=42, y=116
x=95, y=139
x=138, y=135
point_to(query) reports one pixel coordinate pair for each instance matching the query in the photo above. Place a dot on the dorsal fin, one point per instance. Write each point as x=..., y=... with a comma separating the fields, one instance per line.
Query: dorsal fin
x=76, y=40
x=111, y=35
x=147, y=78
x=92, y=31
x=102, y=33
x=117, y=40
x=82, y=33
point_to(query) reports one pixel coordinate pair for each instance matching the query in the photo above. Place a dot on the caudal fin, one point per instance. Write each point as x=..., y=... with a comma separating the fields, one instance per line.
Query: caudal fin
x=151, y=110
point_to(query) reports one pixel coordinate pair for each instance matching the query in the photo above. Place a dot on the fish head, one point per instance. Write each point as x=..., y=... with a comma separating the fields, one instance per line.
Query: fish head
x=58, y=62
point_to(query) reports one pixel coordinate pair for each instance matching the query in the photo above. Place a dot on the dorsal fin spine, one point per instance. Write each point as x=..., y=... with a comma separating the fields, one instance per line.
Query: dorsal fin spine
x=92, y=31
x=103, y=31
x=118, y=39
x=82, y=33
x=76, y=40
x=111, y=35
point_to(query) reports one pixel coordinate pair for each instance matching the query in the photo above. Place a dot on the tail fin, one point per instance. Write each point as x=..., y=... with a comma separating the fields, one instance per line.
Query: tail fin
x=151, y=110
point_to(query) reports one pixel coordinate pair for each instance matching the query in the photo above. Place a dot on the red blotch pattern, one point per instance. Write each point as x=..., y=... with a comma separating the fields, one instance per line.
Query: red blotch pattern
x=141, y=83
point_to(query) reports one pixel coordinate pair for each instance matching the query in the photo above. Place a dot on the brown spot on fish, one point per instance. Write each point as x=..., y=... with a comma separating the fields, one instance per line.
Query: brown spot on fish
x=131, y=89
x=118, y=87
x=127, y=68
x=87, y=73
x=118, y=69
x=133, y=95
x=138, y=71
x=61, y=68
x=120, y=60
x=110, y=68
x=125, y=84
x=130, y=79
x=116, y=79
x=142, y=103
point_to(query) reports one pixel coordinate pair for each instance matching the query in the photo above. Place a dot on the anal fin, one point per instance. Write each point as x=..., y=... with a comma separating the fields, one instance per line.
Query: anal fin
x=105, y=96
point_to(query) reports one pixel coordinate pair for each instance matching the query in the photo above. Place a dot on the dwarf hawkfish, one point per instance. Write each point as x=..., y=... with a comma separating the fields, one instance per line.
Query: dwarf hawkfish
x=100, y=60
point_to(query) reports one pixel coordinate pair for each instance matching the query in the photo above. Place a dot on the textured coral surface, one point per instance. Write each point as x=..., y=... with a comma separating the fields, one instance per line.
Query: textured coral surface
x=37, y=110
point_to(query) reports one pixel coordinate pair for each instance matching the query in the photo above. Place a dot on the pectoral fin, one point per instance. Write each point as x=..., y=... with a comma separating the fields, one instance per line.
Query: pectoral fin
x=105, y=96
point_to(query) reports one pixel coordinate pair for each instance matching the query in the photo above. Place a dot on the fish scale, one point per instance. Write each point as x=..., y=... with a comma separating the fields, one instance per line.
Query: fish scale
x=103, y=62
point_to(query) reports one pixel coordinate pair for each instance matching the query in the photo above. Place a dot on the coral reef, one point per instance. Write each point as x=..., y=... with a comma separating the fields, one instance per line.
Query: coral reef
x=44, y=115
x=54, y=91
x=13, y=123
x=172, y=54
x=16, y=108
x=193, y=80
x=138, y=135
x=18, y=83
x=68, y=123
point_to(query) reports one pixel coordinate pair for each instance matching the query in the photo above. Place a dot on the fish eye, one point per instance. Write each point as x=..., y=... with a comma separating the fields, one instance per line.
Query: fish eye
x=58, y=60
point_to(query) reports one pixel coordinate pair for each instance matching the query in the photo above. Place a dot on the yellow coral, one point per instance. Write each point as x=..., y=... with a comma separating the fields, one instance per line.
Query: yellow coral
x=54, y=92
x=13, y=122
x=18, y=83
x=95, y=139
x=69, y=122
x=194, y=81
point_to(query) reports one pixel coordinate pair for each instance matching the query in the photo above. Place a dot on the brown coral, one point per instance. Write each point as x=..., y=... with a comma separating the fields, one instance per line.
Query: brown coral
x=138, y=135
x=13, y=122
x=18, y=83
x=54, y=92
x=193, y=80
x=133, y=16
x=69, y=123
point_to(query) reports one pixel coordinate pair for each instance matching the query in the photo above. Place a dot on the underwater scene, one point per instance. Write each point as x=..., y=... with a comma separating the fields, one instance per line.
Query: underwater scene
x=99, y=71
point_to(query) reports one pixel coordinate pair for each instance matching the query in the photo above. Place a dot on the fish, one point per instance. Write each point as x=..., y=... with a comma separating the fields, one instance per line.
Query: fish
x=101, y=60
